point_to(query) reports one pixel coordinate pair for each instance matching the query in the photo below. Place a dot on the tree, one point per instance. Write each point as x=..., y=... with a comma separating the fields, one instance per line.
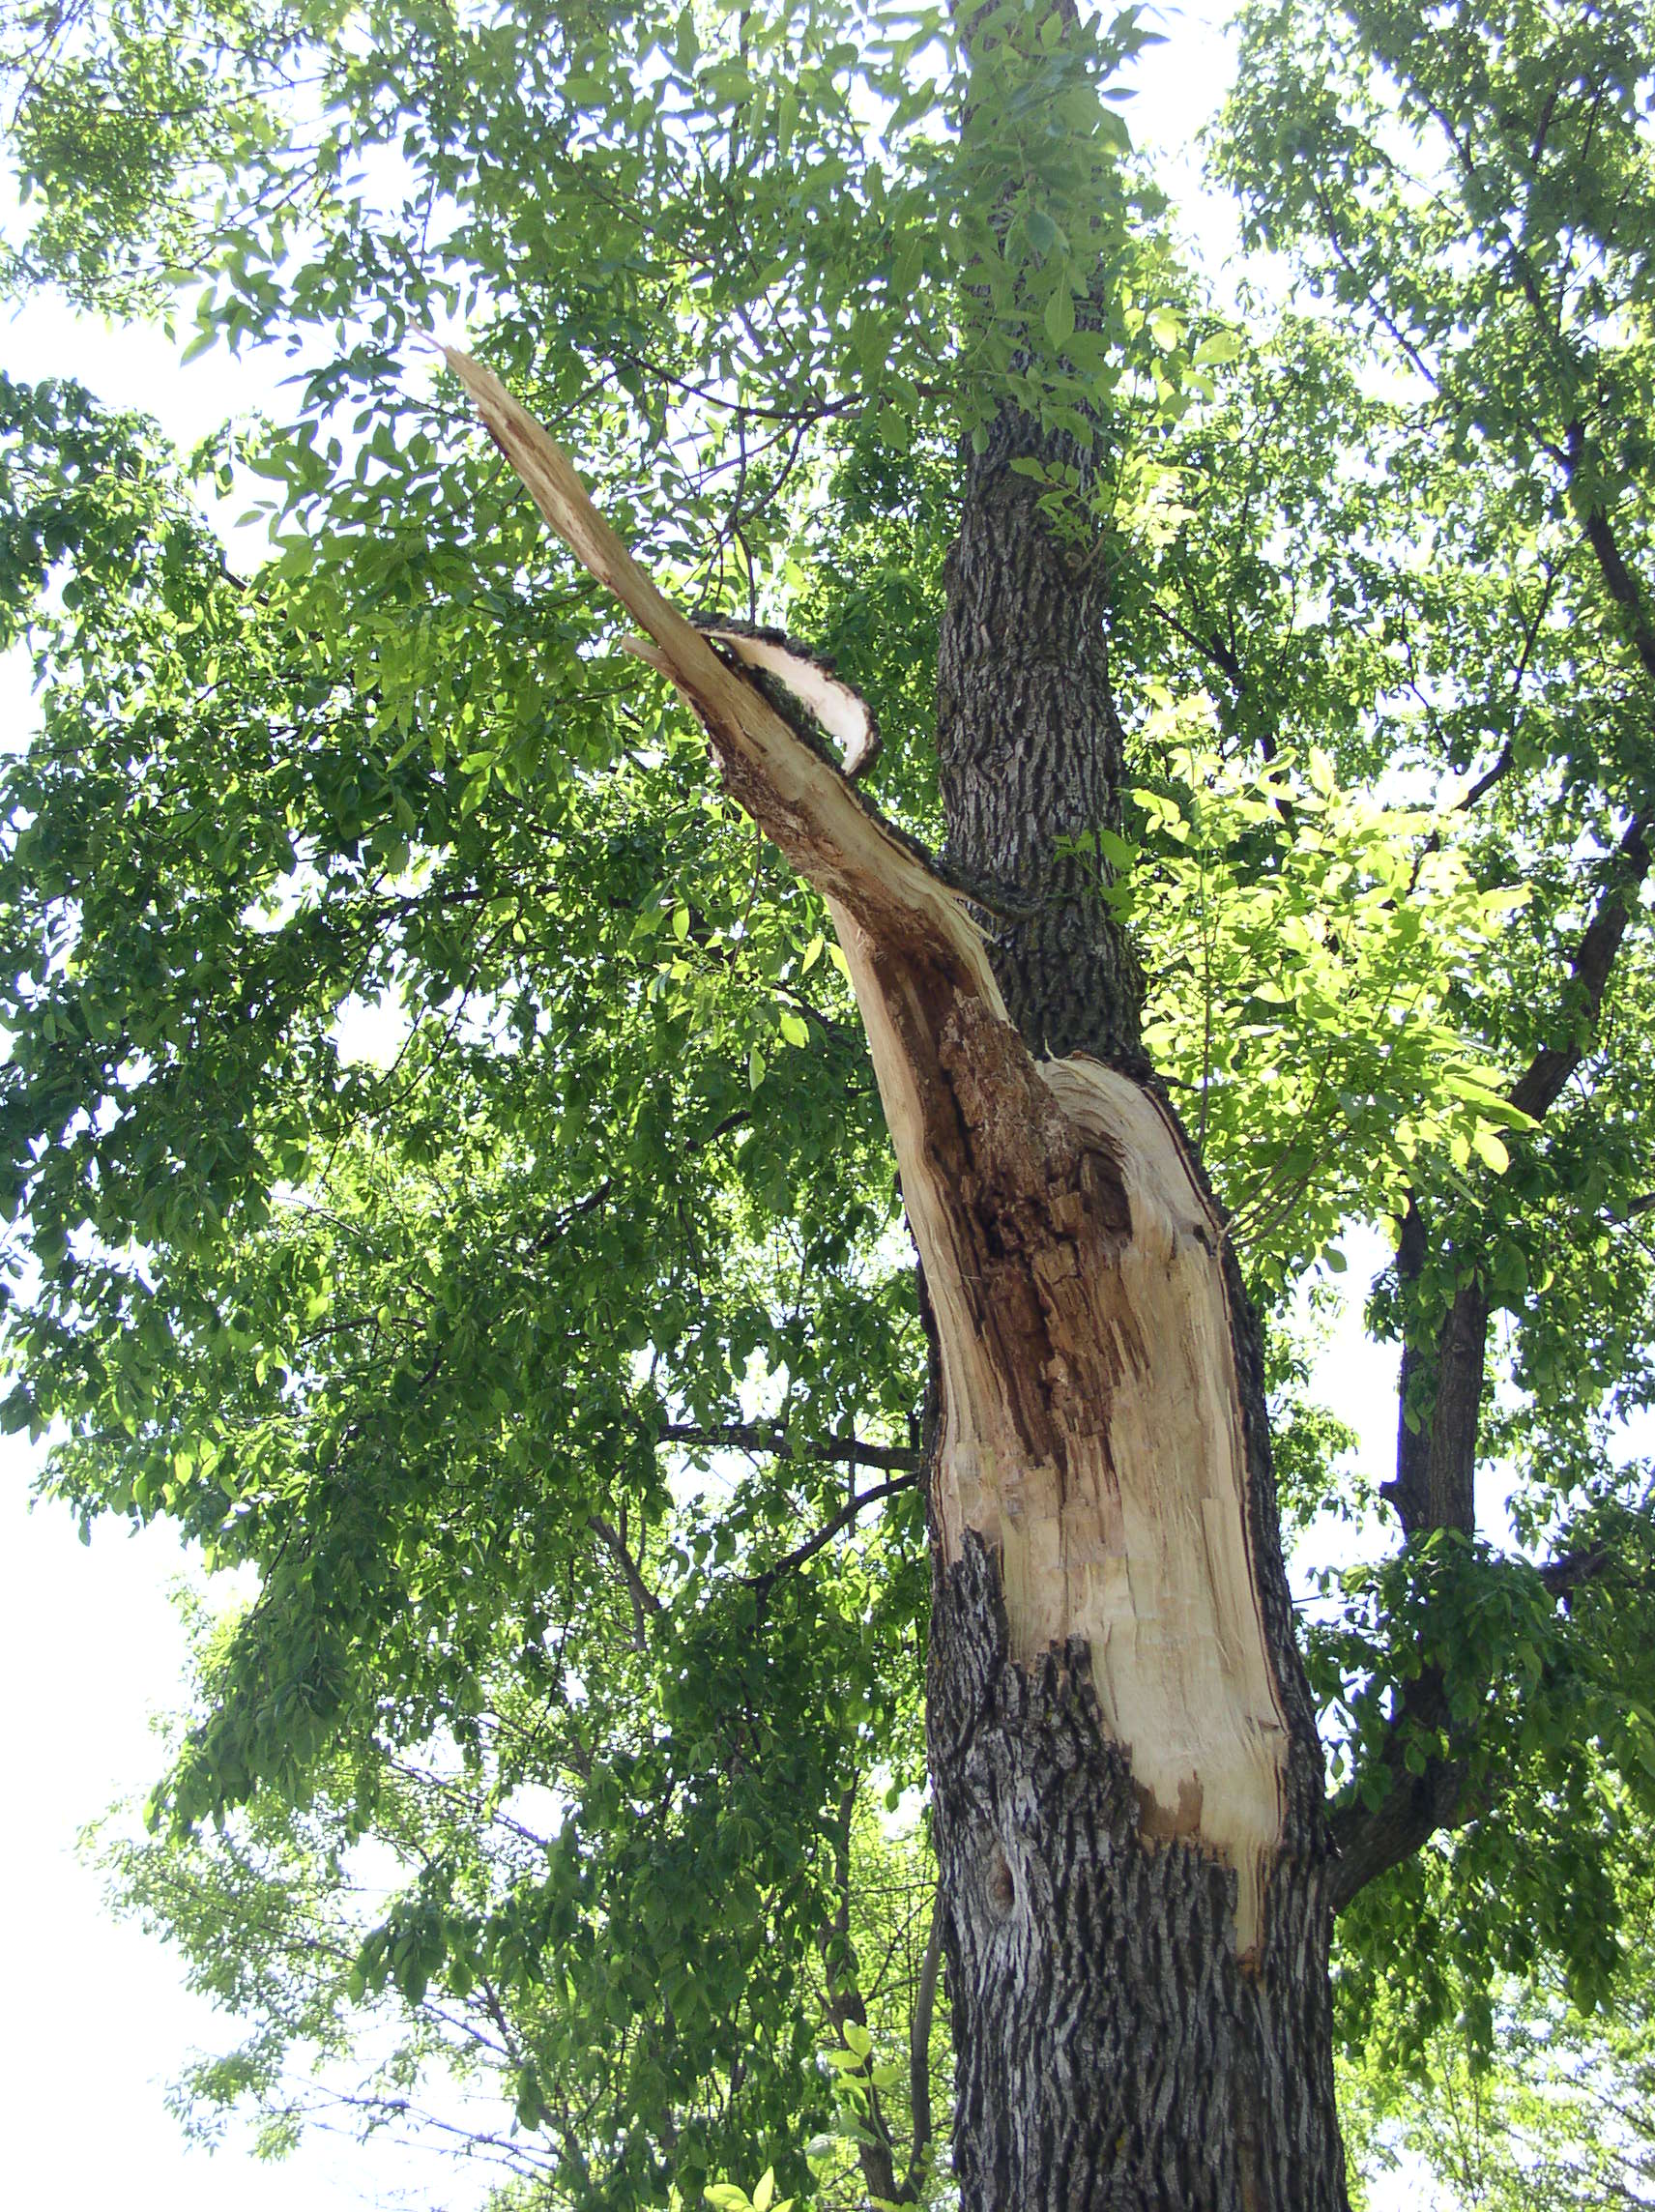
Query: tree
x=866, y=324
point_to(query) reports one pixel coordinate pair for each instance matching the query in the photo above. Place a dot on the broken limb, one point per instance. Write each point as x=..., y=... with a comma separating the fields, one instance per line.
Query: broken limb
x=1128, y=1794
x=1092, y=1434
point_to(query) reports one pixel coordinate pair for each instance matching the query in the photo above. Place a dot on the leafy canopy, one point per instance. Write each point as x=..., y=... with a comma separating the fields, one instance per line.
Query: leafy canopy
x=534, y=1367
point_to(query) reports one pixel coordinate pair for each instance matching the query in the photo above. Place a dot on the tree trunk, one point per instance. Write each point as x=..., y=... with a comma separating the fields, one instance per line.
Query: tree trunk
x=1129, y=1786
x=1029, y=753
x=1128, y=1782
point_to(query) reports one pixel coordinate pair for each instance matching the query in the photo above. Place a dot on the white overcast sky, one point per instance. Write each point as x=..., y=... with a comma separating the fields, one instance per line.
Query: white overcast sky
x=96, y=2021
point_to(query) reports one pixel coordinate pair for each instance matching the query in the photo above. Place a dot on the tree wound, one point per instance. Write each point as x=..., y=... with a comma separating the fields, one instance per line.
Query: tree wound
x=1092, y=1429
x=843, y=716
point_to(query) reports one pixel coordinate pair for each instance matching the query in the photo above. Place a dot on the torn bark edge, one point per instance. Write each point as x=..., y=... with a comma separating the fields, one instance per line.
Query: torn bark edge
x=811, y=687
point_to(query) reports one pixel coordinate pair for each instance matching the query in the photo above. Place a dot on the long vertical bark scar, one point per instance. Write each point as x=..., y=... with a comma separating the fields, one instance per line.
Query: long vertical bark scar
x=1092, y=1429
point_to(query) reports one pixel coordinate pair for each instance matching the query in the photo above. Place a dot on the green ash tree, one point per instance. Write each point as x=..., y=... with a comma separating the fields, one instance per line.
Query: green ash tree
x=1110, y=791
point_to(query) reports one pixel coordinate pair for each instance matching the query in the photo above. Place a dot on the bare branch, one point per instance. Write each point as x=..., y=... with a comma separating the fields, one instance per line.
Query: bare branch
x=1619, y=581
x=644, y=1599
x=825, y=1534
x=757, y=1437
x=1409, y=1489
x=1210, y=648
x=1484, y=784
x=919, y=2046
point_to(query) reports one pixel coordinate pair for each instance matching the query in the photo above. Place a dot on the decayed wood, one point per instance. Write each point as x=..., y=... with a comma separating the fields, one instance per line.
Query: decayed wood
x=1091, y=1431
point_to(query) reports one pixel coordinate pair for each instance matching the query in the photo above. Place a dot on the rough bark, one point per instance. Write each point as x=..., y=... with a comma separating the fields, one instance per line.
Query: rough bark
x=1113, y=2051
x=1030, y=749
x=1128, y=1783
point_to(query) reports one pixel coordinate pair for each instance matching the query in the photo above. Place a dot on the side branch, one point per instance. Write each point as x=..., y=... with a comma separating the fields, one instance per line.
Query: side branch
x=1552, y=1067
x=644, y=1599
x=1621, y=585
x=1436, y=1466
x=1368, y=1842
x=758, y=1437
x=824, y=1535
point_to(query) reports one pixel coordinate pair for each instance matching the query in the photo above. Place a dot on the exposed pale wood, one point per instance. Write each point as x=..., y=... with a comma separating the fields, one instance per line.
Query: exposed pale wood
x=1091, y=1433
x=1158, y=1574
x=843, y=714
x=1090, y=1426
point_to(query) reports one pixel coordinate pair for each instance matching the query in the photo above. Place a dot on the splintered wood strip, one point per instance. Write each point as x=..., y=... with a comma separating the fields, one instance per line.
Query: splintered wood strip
x=556, y=491
x=1092, y=1432
x=829, y=832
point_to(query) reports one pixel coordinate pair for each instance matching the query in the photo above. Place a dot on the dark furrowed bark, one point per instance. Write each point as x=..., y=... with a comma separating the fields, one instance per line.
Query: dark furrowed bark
x=1119, y=2055
x=1112, y=2049
x=1118, y=2045
x=1031, y=754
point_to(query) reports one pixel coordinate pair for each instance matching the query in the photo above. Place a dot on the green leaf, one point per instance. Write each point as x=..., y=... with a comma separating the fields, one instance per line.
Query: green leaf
x=1060, y=315
x=1220, y=347
x=1490, y=1149
x=1165, y=328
